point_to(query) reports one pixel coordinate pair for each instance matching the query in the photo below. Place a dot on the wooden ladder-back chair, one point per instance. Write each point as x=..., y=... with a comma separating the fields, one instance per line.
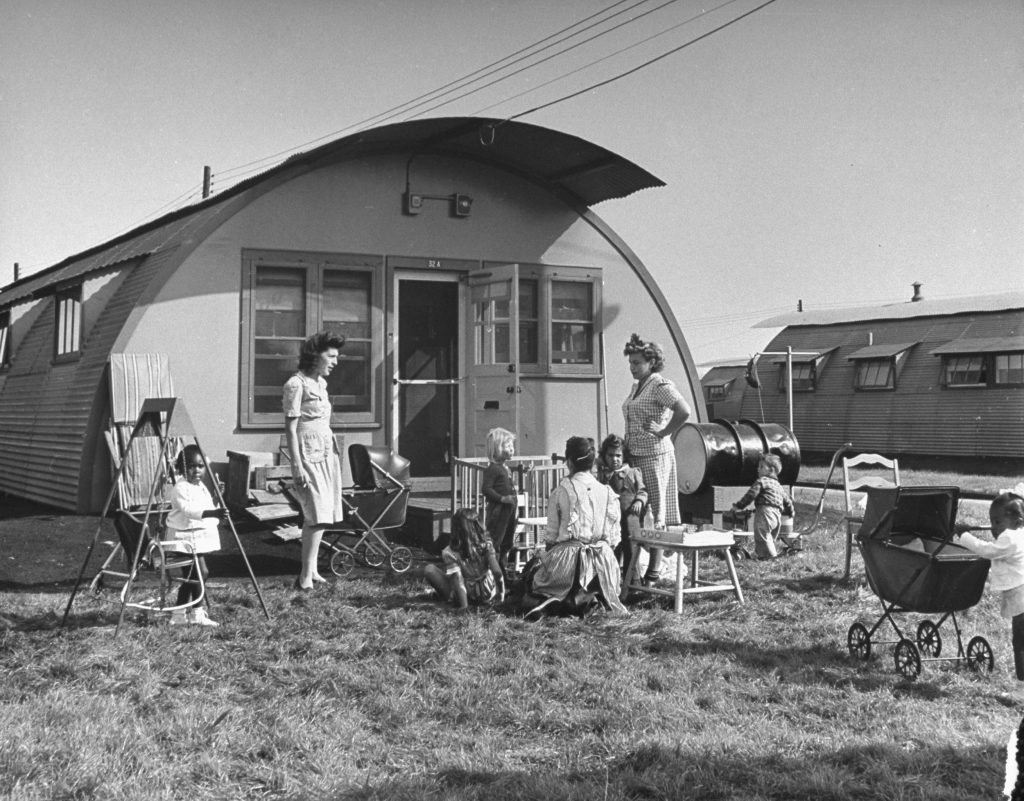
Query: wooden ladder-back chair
x=859, y=473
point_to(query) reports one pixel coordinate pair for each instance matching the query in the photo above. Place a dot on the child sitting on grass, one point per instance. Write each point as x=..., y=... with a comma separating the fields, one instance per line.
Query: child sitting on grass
x=1007, y=573
x=771, y=504
x=471, y=572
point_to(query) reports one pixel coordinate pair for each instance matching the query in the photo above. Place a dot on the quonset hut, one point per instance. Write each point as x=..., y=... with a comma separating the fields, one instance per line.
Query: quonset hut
x=935, y=382
x=460, y=258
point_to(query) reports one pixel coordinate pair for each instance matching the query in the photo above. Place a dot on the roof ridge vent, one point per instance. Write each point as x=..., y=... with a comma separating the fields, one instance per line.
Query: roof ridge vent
x=917, y=292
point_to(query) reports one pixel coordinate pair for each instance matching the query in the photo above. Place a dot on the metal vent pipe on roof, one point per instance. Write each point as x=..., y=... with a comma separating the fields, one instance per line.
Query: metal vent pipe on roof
x=917, y=292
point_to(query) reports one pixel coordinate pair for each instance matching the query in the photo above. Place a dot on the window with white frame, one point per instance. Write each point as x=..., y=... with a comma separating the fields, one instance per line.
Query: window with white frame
x=964, y=370
x=806, y=371
x=559, y=320
x=286, y=299
x=67, y=339
x=878, y=367
x=1009, y=369
x=717, y=392
x=993, y=369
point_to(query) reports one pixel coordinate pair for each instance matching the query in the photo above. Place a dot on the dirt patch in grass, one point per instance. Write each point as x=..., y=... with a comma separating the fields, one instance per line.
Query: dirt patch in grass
x=42, y=548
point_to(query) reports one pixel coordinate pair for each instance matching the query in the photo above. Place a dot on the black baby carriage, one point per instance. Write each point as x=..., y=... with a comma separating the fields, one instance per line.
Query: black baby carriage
x=912, y=566
x=376, y=503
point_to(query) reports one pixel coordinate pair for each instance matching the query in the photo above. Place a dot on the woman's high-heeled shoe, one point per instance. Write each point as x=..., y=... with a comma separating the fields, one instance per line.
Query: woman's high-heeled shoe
x=300, y=588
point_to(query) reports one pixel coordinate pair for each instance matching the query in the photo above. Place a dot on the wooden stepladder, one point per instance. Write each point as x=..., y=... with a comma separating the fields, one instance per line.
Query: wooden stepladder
x=166, y=420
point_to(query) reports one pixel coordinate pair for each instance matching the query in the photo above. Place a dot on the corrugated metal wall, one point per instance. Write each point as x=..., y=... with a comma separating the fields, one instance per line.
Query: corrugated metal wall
x=920, y=417
x=48, y=423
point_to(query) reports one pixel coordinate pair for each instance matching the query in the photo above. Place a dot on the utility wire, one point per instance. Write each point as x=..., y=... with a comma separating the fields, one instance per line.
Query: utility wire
x=559, y=53
x=606, y=58
x=639, y=67
x=464, y=80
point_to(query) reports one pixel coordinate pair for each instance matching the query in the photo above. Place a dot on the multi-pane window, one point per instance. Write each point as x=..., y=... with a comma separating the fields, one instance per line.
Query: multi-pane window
x=874, y=374
x=558, y=319
x=572, y=322
x=68, y=323
x=964, y=370
x=983, y=369
x=806, y=371
x=716, y=391
x=805, y=377
x=1009, y=368
x=878, y=367
x=491, y=322
x=288, y=300
x=5, y=339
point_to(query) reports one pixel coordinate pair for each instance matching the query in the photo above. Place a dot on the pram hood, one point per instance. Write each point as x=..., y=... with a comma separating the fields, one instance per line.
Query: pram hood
x=925, y=512
x=378, y=467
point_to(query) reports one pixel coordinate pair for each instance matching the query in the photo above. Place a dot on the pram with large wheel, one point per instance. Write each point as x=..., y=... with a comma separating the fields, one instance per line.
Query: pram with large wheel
x=376, y=503
x=912, y=565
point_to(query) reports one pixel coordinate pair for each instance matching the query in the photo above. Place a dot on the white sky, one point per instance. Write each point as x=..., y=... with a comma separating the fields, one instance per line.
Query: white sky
x=829, y=150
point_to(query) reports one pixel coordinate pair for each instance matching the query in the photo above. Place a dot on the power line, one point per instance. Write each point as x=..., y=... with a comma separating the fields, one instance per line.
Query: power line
x=559, y=53
x=608, y=57
x=639, y=67
x=464, y=80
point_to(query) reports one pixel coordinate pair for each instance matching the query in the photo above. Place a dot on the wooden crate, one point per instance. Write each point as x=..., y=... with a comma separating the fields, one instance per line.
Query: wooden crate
x=241, y=468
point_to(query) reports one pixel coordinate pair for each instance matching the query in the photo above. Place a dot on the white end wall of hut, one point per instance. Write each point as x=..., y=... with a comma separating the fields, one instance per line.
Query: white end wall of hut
x=356, y=207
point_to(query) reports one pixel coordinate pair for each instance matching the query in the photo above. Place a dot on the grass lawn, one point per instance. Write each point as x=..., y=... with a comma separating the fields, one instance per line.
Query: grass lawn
x=369, y=689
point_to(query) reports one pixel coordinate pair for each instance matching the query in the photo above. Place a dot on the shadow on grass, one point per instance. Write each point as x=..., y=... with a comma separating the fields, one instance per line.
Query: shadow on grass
x=658, y=772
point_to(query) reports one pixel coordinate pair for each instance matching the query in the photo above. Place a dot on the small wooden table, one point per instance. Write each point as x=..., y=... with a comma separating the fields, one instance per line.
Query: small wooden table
x=685, y=540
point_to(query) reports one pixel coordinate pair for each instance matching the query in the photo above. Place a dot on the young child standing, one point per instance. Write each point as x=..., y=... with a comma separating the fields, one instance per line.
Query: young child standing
x=189, y=499
x=628, y=483
x=1007, y=572
x=499, y=490
x=471, y=571
x=771, y=504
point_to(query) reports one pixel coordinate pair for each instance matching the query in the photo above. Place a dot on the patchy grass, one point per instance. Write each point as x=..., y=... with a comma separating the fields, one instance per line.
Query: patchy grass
x=981, y=484
x=370, y=690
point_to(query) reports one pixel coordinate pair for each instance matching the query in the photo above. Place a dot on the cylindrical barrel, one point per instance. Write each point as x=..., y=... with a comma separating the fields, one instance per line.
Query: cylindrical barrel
x=726, y=453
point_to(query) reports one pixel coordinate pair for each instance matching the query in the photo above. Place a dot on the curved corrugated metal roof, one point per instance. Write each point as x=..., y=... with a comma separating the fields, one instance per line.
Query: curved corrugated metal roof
x=898, y=311
x=575, y=168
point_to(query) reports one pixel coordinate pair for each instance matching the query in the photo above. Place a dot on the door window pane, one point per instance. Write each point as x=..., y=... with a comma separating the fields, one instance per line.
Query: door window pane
x=491, y=323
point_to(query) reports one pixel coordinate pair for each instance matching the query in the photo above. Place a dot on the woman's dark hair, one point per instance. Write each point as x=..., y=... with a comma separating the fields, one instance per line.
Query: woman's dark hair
x=611, y=442
x=579, y=453
x=188, y=454
x=467, y=534
x=317, y=344
x=651, y=351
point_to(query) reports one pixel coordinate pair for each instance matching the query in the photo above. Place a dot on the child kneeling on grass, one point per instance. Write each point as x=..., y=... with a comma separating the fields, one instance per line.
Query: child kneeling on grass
x=1007, y=573
x=471, y=572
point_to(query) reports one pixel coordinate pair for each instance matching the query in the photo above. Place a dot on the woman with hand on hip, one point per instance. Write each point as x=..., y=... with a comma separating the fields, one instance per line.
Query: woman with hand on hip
x=653, y=412
x=316, y=467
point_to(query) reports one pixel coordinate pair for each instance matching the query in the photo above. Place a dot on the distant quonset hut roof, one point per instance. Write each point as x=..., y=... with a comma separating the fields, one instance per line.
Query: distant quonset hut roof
x=899, y=311
x=576, y=169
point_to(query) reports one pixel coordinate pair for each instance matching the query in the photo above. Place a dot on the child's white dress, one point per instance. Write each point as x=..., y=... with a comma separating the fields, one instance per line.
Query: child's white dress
x=185, y=521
